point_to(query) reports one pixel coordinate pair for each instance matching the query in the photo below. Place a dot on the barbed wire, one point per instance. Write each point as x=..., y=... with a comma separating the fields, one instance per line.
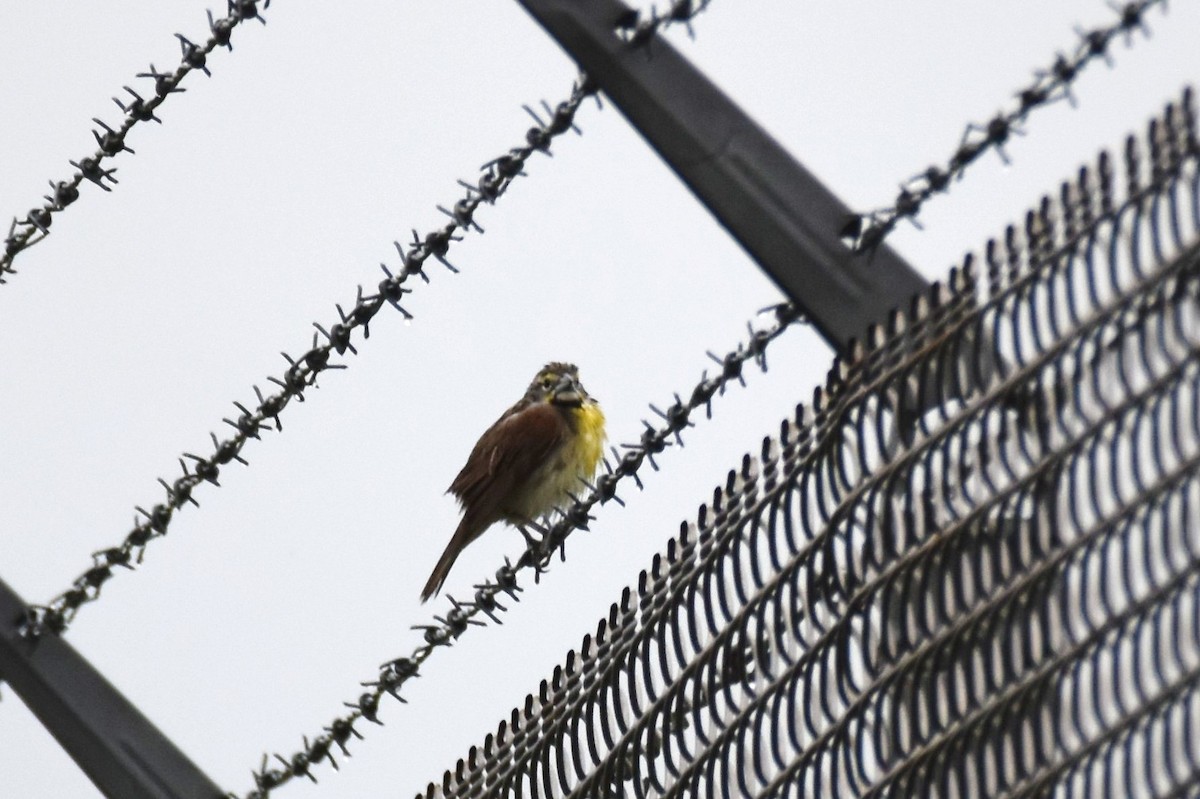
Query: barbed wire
x=495, y=178
x=924, y=553
x=637, y=30
x=24, y=233
x=867, y=230
x=539, y=552
x=302, y=372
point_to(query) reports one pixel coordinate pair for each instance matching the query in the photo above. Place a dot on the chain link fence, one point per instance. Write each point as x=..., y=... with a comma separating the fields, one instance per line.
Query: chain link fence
x=971, y=567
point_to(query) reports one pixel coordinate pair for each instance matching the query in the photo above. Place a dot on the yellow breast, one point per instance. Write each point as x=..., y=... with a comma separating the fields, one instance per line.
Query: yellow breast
x=589, y=438
x=560, y=479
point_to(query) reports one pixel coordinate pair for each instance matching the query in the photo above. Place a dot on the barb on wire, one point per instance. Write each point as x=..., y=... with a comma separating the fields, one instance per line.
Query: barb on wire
x=490, y=595
x=867, y=230
x=858, y=615
x=495, y=178
x=638, y=31
x=24, y=233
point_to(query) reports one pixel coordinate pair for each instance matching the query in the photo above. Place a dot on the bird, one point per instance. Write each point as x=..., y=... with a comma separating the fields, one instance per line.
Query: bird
x=528, y=463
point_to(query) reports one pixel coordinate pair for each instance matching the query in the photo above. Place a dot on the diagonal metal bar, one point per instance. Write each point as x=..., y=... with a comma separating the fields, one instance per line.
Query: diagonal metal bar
x=118, y=748
x=784, y=217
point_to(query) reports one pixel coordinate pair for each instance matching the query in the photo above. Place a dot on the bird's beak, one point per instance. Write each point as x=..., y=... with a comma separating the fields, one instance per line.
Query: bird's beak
x=568, y=392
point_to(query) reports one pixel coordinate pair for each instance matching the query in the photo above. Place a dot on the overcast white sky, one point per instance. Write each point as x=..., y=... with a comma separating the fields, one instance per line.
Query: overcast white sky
x=277, y=186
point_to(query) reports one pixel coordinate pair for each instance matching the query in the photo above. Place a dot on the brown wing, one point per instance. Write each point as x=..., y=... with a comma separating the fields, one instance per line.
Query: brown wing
x=506, y=456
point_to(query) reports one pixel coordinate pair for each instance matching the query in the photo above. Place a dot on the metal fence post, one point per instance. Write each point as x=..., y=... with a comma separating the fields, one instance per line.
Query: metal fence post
x=785, y=218
x=120, y=750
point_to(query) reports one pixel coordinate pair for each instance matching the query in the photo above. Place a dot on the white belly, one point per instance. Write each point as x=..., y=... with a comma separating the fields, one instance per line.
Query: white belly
x=553, y=486
x=563, y=476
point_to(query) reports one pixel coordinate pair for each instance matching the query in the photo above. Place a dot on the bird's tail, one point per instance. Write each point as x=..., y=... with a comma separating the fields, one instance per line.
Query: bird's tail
x=462, y=536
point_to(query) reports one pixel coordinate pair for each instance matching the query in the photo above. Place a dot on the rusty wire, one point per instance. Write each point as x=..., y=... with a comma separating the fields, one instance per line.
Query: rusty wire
x=867, y=230
x=110, y=141
x=996, y=595
x=489, y=595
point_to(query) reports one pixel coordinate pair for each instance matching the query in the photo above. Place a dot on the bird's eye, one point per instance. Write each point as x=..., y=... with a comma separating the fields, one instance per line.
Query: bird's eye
x=548, y=381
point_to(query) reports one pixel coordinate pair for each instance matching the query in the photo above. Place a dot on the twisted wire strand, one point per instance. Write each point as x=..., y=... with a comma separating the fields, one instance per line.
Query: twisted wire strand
x=489, y=595
x=638, y=28
x=328, y=341
x=496, y=176
x=867, y=230
x=24, y=233
x=999, y=594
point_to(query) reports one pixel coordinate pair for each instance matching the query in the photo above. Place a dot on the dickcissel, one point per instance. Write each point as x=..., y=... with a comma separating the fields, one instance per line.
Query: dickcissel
x=527, y=464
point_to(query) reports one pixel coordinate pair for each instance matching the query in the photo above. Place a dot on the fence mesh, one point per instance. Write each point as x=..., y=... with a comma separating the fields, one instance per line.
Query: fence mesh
x=971, y=567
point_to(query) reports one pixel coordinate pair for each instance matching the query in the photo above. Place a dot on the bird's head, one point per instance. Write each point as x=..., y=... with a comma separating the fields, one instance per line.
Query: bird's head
x=558, y=383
